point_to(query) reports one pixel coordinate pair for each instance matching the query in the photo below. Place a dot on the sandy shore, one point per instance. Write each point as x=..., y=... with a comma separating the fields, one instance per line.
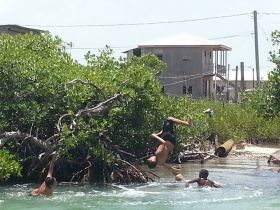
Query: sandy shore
x=253, y=151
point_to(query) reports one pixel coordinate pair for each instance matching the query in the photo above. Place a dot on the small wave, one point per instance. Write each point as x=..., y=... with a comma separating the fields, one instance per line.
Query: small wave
x=136, y=193
x=21, y=195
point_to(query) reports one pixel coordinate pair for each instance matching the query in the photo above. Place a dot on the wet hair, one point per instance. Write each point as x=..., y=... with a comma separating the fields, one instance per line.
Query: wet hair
x=203, y=173
x=49, y=181
x=151, y=164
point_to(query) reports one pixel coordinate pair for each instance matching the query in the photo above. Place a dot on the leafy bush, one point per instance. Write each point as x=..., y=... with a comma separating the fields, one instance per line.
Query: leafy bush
x=40, y=82
x=9, y=166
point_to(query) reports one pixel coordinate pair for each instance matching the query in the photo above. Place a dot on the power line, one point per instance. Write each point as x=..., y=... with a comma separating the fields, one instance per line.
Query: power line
x=138, y=24
x=184, y=80
x=184, y=76
x=269, y=13
x=125, y=47
x=234, y=35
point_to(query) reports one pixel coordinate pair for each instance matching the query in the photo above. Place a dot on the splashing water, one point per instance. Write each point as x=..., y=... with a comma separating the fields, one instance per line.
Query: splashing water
x=247, y=184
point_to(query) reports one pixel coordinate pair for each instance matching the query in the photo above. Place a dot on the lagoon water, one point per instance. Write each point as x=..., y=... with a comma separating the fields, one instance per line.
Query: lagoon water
x=247, y=184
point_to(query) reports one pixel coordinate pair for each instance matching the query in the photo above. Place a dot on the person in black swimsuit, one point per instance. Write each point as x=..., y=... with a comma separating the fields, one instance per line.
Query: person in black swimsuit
x=167, y=139
x=168, y=133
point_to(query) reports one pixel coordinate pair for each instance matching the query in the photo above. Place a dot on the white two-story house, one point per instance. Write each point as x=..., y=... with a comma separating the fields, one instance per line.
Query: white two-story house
x=192, y=62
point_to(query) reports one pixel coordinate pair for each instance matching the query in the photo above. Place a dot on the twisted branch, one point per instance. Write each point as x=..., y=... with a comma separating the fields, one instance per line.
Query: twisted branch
x=5, y=137
x=100, y=108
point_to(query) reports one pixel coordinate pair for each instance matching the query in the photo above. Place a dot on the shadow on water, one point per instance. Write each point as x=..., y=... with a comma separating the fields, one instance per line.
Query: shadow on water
x=247, y=184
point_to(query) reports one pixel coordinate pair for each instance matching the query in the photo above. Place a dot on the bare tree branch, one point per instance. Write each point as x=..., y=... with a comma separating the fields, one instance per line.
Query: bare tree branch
x=24, y=136
x=100, y=108
x=59, y=124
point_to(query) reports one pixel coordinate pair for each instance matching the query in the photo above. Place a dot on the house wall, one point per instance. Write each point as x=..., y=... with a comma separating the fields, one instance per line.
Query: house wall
x=185, y=65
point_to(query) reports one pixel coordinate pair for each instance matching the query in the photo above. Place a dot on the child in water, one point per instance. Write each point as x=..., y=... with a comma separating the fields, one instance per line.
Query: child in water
x=176, y=171
x=202, y=180
x=49, y=183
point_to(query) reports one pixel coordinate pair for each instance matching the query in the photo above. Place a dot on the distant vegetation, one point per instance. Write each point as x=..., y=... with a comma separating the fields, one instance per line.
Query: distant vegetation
x=50, y=102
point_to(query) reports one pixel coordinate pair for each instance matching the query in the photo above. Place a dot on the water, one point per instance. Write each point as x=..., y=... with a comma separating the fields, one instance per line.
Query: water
x=247, y=184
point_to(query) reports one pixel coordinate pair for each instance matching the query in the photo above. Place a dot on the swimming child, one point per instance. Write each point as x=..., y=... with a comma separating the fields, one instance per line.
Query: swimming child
x=203, y=180
x=176, y=171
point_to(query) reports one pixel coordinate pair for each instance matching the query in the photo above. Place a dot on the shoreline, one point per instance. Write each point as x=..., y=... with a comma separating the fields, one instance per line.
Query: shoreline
x=253, y=151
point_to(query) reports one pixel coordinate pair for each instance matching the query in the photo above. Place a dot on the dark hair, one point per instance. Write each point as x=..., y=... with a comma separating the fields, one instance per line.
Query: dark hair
x=49, y=181
x=203, y=173
x=152, y=164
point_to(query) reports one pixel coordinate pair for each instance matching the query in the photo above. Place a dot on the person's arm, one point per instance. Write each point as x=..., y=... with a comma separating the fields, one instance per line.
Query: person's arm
x=155, y=136
x=190, y=182
x=50, y=171
x=159, y=133
x=213, y=184
x=217, y=185
x=35, y=192
x=174, y=170
x=187, y=123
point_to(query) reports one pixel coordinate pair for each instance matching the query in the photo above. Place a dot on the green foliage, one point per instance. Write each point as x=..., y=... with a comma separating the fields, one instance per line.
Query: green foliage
x=274, y=77
x=266, y=100
x=131, y=123
x=9, y=166
x=33, y=71
x=40, y=82
x=83, y=142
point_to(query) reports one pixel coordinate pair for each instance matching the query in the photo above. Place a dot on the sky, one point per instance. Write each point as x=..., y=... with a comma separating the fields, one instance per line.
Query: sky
x=90, y=25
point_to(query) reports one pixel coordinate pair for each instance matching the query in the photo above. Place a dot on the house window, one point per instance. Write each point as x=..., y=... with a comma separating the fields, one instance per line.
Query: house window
x=160, y=56
x=187, y=58
x=184, y=89
x=190, y=90
x=205, y=87
x=162, y=89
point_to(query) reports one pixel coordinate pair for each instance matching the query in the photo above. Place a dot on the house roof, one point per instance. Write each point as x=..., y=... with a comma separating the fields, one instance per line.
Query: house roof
x=14, y=29
x=185, y=40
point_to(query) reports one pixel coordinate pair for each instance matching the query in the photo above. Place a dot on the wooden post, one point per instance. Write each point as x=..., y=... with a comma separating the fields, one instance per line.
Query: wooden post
x=236, y=88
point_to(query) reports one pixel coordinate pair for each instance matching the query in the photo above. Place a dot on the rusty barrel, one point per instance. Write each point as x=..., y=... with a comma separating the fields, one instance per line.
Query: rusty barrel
x=224, y=149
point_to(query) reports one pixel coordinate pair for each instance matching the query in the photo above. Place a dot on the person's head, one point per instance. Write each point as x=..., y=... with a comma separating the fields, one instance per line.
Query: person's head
x=179, y=178
x=175, y=170
x=152, y=161
x=203, y=173
x=50, y=182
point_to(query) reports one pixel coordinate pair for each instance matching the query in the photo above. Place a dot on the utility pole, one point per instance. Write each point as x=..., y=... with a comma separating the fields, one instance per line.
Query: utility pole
x=253, y=78
x=242, y=81
x=256, y=48
x=215, y=78
x=236, y=88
